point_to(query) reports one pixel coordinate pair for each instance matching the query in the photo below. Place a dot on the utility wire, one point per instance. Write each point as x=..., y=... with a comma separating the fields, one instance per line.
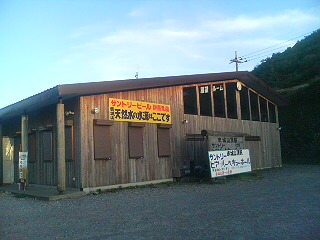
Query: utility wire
x=263, y=52
x=253, y=53
x=256, y=56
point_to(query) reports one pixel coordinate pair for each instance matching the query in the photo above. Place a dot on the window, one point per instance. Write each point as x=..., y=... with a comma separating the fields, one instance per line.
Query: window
x=164, y=149
x=231, y=100
x=263, y=109
x=190, y=100
x=102, y=139
x=244, y=103
x=69, y=140
x=254, y=106
x=46, y=146
x=32, y=153
x=218, y=100
x=272, y=112
x=136, y=140
x=205, y=100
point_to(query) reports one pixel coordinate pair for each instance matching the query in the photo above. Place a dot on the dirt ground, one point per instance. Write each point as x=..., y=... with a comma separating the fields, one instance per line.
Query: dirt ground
x=280, y=203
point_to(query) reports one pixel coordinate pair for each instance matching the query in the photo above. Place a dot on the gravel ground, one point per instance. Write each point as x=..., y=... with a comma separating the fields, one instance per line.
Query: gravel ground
x=281, y=203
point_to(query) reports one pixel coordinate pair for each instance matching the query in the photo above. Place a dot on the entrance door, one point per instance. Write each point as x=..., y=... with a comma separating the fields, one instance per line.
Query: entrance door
x=8, y=156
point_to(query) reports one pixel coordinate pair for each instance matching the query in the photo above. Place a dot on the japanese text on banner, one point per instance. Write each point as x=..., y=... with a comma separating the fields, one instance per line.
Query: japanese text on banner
x=135, y=111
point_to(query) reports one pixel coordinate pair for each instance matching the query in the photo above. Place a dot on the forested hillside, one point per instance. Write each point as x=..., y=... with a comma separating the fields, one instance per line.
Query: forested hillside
x=295, y=66
x=296, y=75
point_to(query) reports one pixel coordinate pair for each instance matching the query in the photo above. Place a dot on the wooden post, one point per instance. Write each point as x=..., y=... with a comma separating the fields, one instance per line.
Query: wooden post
x=61, y=156
x=238, y=103
x=1, y=155
x=24, y=146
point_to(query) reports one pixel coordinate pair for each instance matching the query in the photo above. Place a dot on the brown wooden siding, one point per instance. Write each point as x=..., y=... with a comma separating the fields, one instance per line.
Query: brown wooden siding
x=84, y=171
x=122, y=169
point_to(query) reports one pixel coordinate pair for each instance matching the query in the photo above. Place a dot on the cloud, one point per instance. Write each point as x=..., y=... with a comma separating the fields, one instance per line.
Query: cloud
x=169, y=46
x=90, y=30
x=137, y=12
x=244, y=23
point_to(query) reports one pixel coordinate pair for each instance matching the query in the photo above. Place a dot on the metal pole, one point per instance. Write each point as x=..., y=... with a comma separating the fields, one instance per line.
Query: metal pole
x=61, y=156
x=236, y=60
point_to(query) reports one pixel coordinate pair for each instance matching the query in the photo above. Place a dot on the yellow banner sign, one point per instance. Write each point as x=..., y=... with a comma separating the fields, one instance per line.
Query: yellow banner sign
x=135, y=111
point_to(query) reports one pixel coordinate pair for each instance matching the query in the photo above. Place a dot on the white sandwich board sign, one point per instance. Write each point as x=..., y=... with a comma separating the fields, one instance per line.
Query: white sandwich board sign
x=228, y=162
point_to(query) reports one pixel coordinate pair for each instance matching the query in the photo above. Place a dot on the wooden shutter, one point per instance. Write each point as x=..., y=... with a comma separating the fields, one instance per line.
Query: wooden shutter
x=69, y=141
x=32, y=147
x=17, y=148
x=46, y=143
x=164, y=149
x=102, y=139
x=136, y=140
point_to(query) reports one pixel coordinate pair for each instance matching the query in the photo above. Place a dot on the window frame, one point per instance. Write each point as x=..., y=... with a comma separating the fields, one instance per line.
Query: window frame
x=245, y=92
x=205, y=103
x=193, y=99
x=232, y=109
x=223, y=95
x=254, y=109
x=246, y=103
x=263, y=107
x=274, y=115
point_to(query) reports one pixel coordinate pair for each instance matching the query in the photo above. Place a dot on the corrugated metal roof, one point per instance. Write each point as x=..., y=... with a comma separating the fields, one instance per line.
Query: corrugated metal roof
x=51, y=96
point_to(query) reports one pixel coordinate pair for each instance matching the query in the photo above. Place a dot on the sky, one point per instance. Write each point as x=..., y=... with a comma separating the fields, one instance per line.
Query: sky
x=47, y=43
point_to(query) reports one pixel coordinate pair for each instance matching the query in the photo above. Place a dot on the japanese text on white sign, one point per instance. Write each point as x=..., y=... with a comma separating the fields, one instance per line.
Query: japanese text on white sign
x=23, y=168
x=228, y=162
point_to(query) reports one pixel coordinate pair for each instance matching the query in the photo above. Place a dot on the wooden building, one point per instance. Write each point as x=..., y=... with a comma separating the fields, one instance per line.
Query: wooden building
x=100, y=134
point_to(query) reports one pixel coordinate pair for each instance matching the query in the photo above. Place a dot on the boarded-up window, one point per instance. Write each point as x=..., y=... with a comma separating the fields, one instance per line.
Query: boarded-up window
x=254, y=106
x=46, y=146
x=136, y=140
x=218, y=100
x=272, y=112
x=263, y=109
x=190, y=100
x=205, y=100
x=164, y=149
x=102, y=139
x=231, y=100
x=244, y=103
x=69, y=140
x=32, y=147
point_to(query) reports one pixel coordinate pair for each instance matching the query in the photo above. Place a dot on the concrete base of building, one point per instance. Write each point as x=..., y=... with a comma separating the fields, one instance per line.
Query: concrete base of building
x=41, y=192
x=125, y=185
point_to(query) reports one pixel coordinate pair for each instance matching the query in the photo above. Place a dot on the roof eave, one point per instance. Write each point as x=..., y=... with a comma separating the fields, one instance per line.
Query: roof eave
x=32, y=103
x=51, y=96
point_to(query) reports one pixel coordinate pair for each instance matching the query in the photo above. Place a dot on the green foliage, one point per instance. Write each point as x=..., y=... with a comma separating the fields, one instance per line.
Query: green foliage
x=300, y=122
x=297, y=72
x=294, y=66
